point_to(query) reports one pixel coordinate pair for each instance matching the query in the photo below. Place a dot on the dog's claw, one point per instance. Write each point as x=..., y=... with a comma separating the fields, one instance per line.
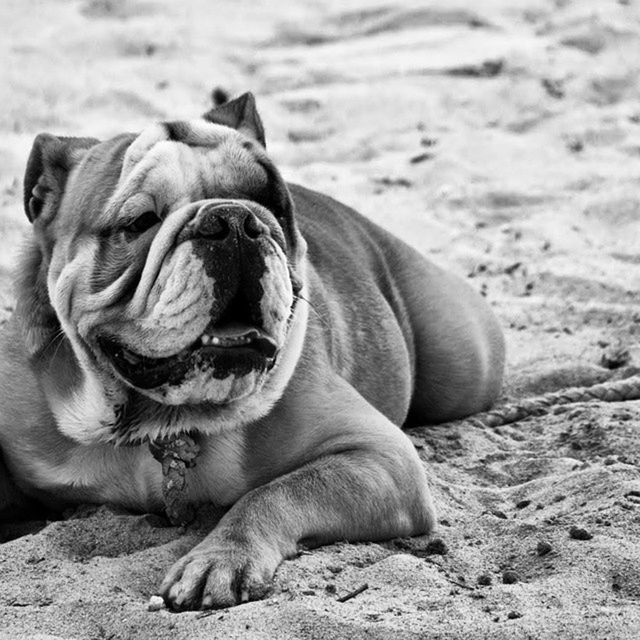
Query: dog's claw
x=219, y=575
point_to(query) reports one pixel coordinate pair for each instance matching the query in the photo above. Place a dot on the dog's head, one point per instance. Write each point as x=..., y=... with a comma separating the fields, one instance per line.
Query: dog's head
x=163, y=277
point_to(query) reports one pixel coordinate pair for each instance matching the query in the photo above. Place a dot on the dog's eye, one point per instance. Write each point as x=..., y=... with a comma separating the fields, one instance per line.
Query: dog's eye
x=143, y=222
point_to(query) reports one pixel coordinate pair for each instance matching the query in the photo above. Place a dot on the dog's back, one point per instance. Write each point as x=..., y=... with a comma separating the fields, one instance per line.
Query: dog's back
x=452, y=358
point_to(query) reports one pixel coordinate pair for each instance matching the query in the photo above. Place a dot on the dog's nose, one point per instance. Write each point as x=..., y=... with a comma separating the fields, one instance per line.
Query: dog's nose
x=253, y=228
x=213, y=226
x=217, y=222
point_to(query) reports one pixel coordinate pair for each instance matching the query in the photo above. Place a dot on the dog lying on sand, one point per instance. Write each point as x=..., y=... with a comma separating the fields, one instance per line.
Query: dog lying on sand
x=191, y=329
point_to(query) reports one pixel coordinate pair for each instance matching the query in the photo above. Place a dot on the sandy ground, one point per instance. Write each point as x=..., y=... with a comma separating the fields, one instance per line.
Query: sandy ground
x=500, y=138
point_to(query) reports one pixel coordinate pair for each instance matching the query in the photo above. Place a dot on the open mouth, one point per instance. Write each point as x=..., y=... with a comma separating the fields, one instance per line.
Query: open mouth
x=235, y=348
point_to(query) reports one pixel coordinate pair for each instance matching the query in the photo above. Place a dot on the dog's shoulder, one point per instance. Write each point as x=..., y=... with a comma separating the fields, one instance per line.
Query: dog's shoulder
x=323, y=219
x=342, y=241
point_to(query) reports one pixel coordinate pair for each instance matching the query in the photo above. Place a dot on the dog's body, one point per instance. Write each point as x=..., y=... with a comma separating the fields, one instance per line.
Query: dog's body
x=296, y=409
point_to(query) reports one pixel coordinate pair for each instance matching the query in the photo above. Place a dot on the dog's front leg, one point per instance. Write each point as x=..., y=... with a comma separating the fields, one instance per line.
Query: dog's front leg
x=366, y=484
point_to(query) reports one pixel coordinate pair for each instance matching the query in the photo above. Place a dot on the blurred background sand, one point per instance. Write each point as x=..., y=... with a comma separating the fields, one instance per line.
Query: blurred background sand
x=502, y=139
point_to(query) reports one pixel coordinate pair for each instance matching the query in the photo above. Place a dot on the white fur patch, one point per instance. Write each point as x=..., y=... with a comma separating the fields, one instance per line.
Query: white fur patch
x=140, y=146
x=86, y=413
x=277, y=294
x=201, y=386
x=162, y=244
x=131, y=477
x=175, y=172
x=176, y=310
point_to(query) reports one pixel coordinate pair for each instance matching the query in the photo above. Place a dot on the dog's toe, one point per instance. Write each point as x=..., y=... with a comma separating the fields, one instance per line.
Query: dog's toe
x=212, y=577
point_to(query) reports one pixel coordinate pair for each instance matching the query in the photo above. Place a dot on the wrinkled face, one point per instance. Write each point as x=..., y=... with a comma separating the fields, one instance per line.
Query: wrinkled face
x=175, y=268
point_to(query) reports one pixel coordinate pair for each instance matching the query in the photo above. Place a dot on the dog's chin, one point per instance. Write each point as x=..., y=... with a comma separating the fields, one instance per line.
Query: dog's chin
x=218, y=368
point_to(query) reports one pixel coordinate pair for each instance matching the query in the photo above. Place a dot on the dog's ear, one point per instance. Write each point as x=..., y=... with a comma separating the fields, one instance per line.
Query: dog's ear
x=240, y=114
x=34, y=313
x=48, y=167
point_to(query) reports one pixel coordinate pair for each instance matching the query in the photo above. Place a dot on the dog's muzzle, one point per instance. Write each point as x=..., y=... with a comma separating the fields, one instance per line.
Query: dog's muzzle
x=233, y=246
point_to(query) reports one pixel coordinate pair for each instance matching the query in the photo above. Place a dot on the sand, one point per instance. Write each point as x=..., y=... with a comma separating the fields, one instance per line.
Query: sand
x=500, y=138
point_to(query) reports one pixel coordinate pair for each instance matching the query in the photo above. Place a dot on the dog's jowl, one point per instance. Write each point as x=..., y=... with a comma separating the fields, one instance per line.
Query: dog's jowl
x=191, y=329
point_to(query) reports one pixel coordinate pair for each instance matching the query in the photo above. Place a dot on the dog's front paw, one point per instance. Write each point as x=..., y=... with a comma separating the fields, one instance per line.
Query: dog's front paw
x=219, y=573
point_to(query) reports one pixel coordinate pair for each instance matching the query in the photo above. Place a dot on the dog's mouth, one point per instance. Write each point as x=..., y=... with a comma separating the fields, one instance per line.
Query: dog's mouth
x=235, y=348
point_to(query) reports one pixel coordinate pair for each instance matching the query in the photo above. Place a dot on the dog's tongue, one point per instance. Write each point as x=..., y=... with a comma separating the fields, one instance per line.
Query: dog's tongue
x=239, y=334
x=233, y=330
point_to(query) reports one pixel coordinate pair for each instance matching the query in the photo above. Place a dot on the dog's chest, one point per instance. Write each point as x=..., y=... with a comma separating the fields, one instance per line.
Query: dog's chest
x=130, y=477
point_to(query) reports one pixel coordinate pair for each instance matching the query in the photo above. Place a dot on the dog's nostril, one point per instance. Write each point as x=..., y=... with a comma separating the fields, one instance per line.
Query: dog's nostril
x=214, y=227
x=253, y=227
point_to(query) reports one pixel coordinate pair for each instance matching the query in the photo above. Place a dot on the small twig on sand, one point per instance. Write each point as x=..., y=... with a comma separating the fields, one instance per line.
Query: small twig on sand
x=446, y=577
x=211, y=612
x=354, y=593
x=460, y=584
x=43, y=603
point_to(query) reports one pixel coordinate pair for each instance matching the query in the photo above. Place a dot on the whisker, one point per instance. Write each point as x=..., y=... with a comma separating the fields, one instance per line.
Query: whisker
x=61, y=336
x=58, y=336
x=313, y=308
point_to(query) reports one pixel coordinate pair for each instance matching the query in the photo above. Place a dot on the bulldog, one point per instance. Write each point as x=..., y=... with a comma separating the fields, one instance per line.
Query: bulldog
x=176, y=294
